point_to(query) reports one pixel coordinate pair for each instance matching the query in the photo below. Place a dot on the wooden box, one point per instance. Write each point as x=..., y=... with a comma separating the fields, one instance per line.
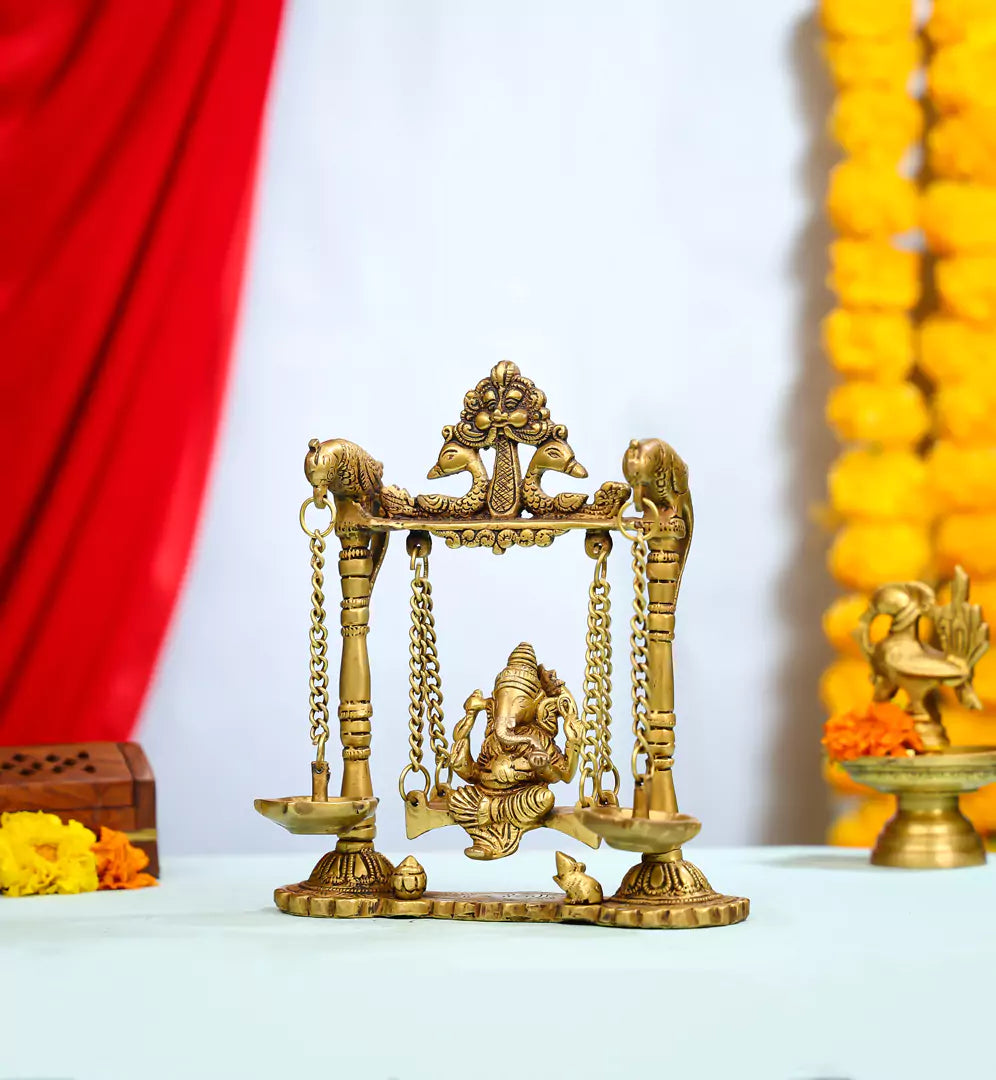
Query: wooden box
x=97, y=783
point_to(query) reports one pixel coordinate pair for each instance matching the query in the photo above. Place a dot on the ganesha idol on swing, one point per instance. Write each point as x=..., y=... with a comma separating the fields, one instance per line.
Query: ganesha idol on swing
x=507, y=791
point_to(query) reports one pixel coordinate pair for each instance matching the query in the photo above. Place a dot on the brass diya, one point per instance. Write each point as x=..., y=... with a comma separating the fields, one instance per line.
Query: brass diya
x=535, y=736
x=928, y=830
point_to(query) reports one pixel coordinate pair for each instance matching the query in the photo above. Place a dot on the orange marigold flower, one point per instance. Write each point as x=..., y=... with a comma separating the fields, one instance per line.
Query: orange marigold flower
x=876, y=124
x=888, y=484
x=864, y=554
x=871, y=200
x=874, y=345
x=964, y=411
x=959, y=218
x=952, y=350
x=968, y=540
x=960, y=76
x=874, y=274
x=966, y=285
x=955, y=20
x=879, y=729
x=884, y=63
x=887, y=415
x=119, y=864
x=963, y=146
x=860, y=19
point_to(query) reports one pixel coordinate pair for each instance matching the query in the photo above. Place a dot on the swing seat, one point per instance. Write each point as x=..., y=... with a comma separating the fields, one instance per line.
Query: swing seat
x=423, y=814
x=659, y=831
x=307, y=816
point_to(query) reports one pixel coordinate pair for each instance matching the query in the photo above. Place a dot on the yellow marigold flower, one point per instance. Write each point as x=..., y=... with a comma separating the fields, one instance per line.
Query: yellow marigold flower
x=888, y=484
x=871, y=200
x=952, y=350
x=41, y=854
x=985, y=679
x=876, y=345
x=954, y=20
x=860, y=827
x=980, y=806
x=967, y=286
x=846, y=684
x=960, y=76
x=885, y=63
x=968, y=727
x=963, y=146
x=860, y=19
x=842, y=784
x=866, y=554
x=840, y=621
x=967, y=540
x=874, y=274
x=962, y=477
x=966, y=411
x=887, y=415
x=959, y=218
x=876, y=124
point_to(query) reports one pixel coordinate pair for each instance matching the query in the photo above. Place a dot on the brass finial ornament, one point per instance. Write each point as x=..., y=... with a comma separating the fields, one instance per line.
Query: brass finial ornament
x=534, y=738
x=928, y=830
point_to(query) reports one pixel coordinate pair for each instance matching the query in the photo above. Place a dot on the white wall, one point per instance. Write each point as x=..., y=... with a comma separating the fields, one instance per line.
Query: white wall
x=612, y=195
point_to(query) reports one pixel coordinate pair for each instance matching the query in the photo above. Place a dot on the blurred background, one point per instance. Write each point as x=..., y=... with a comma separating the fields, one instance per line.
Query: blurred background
x=625, y=200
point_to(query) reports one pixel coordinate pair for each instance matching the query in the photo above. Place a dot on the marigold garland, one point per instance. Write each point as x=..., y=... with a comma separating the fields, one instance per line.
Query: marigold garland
x=877, y=487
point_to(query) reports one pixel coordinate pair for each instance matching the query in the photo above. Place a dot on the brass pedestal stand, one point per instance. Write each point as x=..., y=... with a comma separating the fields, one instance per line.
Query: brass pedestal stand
x=928, y=830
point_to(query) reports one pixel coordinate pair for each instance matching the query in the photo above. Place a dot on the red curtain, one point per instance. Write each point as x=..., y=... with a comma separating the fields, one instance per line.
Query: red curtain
x=129, y=132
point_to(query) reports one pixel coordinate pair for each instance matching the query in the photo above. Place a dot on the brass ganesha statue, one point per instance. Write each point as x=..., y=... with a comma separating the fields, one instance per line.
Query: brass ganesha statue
x=508, y=783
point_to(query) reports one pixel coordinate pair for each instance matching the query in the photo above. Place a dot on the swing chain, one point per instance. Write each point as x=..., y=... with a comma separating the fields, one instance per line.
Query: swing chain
x=596, y=754
x=417, y=689
x=640, y=674
x=433, y=698
x=319, y=638
x=425, y=692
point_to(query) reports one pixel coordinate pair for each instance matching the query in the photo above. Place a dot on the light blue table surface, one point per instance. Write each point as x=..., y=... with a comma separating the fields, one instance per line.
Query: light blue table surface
x=842, y=970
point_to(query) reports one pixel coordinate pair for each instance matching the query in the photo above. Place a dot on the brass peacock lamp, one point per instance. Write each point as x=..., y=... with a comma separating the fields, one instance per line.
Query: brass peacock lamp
x=928, y=830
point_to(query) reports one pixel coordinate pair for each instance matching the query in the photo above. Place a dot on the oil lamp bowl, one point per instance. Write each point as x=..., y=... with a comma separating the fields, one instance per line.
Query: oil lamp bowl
x=658, y=832
x=304, y=815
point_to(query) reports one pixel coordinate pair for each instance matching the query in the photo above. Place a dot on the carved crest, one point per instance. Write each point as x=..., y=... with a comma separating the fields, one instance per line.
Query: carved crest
x=503, y=411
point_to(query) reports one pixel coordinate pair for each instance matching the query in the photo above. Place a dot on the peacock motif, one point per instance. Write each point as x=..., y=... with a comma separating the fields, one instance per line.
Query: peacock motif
x=555, y=455
x=902, y=661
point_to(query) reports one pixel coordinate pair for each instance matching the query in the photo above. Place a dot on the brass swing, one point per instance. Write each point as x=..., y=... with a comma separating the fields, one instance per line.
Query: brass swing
x=426, y=808
x=506, y=786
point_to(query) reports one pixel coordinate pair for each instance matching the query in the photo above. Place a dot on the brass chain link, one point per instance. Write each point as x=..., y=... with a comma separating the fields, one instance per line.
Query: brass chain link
x=417, y=688
x=596, y=751
x=432, y=684
x=425, y=689
x=638, y=653
x=318, y=636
